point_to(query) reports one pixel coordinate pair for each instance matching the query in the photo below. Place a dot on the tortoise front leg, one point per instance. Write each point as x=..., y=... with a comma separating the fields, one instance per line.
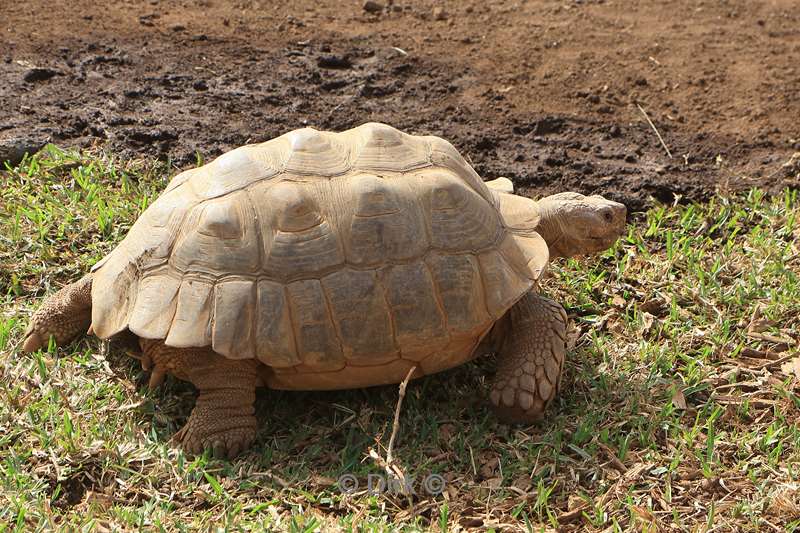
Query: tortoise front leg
x=63, y=316
x=531, y=360
x=223, y=419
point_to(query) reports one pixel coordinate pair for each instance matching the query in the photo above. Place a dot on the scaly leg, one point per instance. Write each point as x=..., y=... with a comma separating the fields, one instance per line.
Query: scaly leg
x=531, y=360
x=223, y=419
x=63, y=315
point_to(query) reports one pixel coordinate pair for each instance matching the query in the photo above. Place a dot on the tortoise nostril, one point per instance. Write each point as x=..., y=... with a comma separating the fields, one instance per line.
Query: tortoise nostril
x=608, y=216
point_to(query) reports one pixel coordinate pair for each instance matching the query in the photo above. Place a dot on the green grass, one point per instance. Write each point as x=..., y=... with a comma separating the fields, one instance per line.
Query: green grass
x=678, y=408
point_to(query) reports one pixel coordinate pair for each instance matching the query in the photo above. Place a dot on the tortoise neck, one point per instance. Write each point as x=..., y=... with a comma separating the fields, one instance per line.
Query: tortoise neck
x=550, y=228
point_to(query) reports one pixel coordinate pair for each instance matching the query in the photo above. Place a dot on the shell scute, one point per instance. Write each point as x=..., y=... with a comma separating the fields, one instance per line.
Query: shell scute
x=275, y=344
x=192, y=321
x=297, y=237
x=444, y=154
x=459, y=218
x=412, y=297
x=237, y=169
x=232, y=333
x=386, y=148
x=361, y=315
x=314, y=332
x=459, y=286
x=526, y=253
x=502, y=284
x=218, y=237
x=386, y=224
x=317, y=153
x=155, y=306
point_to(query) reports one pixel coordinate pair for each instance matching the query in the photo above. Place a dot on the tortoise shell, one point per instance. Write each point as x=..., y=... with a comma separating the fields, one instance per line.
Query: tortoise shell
x=336, y=259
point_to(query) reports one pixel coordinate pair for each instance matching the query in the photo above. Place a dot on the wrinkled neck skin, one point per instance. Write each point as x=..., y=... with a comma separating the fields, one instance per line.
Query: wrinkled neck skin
x=551, y=230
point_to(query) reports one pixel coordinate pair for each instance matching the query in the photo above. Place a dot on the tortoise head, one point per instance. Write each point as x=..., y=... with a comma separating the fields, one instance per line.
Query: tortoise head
x=574, y=224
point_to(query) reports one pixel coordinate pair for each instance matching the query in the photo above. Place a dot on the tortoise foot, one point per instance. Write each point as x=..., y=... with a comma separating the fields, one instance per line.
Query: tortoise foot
x=224, y=432
x=531, y=360
x=62, y=316
x=223, y=418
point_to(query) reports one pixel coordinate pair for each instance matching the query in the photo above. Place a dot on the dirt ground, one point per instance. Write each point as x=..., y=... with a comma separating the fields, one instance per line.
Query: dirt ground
x=552, y=94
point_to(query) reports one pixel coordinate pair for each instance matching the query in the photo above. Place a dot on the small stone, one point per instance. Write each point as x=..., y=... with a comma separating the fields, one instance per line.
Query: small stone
x=333, y=61
x=439, y=13
x=38, y=74
x=371, y=6
x=13, y=149
x=200, y=85
x=177, y=27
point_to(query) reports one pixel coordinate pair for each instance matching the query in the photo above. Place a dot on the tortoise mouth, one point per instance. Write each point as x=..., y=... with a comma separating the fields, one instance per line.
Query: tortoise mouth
x=603, y=242
x=608, y=237
x=609, y=234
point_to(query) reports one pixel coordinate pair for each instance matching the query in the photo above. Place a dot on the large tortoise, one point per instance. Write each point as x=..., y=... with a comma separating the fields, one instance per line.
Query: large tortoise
x=323, y=260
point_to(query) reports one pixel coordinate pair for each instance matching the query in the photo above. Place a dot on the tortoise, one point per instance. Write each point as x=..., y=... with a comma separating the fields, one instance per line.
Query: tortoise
x=321, y=260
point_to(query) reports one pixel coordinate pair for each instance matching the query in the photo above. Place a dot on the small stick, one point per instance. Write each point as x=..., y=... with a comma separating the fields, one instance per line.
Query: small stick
x=280, y=481
x=655, y=130
x=387, y=464
x=396, y=422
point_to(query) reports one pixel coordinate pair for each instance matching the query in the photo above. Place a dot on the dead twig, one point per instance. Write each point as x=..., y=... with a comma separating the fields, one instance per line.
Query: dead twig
x=613, y=459
x=396, y=422
x=393, y=470
x=669, y=154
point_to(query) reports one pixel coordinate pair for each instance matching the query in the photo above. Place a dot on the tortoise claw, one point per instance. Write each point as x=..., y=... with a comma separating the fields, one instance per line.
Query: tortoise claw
x=33, y=341
x=145, y=360
x=156, y=377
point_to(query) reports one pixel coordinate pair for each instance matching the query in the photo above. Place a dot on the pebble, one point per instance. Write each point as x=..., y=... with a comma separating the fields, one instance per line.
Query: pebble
x=371, y=6
x=13, y=149
x=333, y=61
x=439, y=13
x=38, y=74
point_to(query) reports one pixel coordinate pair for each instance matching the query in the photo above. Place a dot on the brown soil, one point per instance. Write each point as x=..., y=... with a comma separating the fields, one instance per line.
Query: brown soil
x=544, y=92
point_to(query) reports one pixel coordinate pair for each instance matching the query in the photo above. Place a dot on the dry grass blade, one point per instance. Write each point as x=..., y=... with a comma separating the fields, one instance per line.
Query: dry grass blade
x=660, y=138
x=394, y=470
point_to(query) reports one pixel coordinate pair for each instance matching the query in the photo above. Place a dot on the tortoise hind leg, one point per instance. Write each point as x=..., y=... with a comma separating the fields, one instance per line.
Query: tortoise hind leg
x=223, y=419
x=63, y=316
x=531, y=360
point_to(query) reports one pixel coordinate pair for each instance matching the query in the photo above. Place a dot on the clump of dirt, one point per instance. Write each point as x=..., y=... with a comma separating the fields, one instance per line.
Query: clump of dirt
x=550, y=96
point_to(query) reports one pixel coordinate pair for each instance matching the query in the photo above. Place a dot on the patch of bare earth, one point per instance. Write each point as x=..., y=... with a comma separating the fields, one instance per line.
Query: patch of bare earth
x=551, y=94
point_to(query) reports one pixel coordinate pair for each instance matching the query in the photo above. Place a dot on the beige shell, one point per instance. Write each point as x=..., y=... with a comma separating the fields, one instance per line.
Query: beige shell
x=337, y=259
